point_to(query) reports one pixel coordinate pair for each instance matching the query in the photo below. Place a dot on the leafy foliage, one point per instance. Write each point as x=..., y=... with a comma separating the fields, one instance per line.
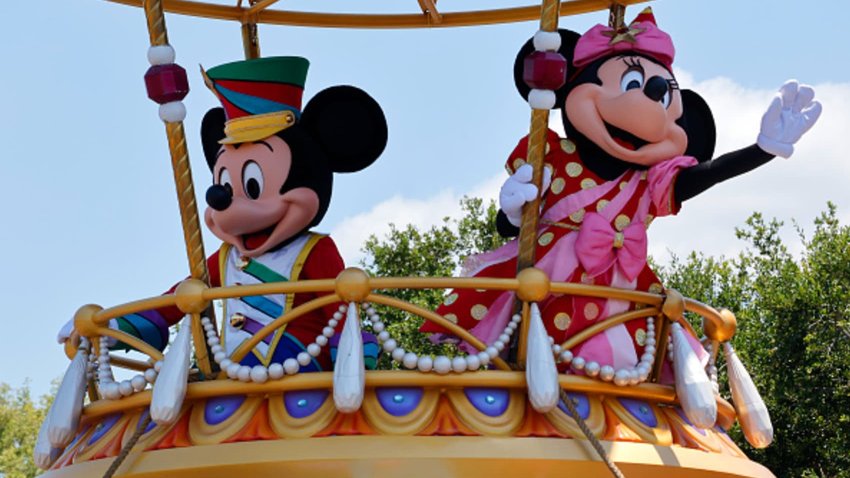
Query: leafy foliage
x=793, y=335
x=436, y=252
x=20, y=419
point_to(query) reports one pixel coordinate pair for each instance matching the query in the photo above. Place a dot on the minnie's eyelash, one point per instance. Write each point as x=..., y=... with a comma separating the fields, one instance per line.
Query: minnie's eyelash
x=632, y=62
x=674, y=85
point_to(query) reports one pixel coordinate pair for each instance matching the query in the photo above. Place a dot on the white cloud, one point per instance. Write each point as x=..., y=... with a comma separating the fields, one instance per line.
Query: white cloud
x=795, y=188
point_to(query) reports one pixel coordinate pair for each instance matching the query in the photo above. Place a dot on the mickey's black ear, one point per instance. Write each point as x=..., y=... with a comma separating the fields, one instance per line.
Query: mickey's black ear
x=212, y=131
x=698, y=123
x=349, y=126
x=568, y=46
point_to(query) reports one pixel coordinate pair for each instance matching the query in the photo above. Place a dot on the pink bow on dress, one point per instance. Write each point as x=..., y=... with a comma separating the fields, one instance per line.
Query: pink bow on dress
x=599, y=246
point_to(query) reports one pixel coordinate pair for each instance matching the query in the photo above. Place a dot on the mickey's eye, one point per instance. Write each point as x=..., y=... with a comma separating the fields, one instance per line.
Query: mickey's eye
x=224, y=180
x=632, y=79
x=252, y=179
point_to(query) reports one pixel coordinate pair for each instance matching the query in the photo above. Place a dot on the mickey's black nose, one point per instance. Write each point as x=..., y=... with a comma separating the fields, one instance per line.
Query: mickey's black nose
x=218, y=197
x=655, y=88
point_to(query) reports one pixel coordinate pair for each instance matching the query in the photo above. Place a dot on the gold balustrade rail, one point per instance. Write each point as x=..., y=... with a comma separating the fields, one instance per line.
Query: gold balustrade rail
x=354, y=285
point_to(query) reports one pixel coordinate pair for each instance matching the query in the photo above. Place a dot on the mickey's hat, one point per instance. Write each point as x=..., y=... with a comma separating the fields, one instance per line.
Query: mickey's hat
x=260, y=97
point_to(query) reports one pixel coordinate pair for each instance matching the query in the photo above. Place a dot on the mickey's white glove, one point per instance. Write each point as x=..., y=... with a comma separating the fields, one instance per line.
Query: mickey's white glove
x=791, y=113
x=68, y=329
x=519, y=190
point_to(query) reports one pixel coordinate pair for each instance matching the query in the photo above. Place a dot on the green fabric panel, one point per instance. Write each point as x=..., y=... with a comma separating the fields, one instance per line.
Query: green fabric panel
x=280, y=69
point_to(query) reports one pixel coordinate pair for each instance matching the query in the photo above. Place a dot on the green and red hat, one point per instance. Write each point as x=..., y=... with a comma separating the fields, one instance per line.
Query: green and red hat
x=260, y=97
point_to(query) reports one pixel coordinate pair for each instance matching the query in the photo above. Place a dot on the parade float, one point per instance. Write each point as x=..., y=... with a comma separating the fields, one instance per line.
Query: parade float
x=575, y=359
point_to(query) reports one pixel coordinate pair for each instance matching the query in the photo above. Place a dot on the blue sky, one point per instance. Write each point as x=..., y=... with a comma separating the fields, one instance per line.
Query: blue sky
x=89, y=210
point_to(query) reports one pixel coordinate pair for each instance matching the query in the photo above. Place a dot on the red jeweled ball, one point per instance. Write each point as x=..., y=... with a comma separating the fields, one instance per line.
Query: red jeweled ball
x=545, y=70
x=166, y=83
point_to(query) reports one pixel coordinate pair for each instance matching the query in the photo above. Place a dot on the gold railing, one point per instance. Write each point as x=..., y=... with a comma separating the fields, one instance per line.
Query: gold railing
x=353, y=285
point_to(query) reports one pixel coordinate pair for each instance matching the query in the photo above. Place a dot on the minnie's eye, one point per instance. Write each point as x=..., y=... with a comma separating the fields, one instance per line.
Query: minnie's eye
x=224, y=180
x=665, y=100
x=631, y=79
x=252, y=179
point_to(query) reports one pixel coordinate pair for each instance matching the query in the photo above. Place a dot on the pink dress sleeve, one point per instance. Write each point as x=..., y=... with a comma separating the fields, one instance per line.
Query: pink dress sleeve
x=662, y=178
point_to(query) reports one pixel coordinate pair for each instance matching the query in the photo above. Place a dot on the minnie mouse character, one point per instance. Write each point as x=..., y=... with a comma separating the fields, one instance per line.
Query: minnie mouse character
x=637, y=147
x=272, y=167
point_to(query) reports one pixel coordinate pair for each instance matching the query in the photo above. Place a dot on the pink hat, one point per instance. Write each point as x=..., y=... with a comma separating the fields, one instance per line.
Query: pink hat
x=641, y=36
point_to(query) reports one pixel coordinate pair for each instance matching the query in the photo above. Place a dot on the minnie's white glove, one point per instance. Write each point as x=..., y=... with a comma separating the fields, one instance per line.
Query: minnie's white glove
x=68, y=329
x=791, y=113
x=519, y=190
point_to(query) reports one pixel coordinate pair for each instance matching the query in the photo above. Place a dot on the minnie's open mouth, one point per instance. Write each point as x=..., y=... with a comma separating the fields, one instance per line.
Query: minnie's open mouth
x=624, y=138
x=256, y=239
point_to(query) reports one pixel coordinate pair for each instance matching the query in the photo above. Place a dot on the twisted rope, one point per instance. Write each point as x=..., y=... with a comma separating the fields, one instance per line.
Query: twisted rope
x=597, y=445
x=140, y=430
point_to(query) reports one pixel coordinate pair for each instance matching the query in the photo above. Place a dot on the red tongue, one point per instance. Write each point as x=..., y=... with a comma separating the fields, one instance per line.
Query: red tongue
x=255, y=240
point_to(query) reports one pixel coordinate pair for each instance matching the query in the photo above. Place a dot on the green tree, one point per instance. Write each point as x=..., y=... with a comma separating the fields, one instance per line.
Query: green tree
x=20, y=419
x=436, y=252
x=793, y=336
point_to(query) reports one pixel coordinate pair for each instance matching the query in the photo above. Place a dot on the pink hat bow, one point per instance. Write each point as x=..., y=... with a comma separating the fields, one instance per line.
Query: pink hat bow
x=641, y=36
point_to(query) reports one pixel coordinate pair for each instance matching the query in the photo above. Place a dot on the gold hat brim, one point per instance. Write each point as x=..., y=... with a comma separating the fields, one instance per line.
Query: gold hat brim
x=254, y=128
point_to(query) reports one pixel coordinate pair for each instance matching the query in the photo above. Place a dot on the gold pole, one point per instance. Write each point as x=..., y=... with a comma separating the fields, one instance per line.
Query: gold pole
x=534, y=157
x=185, y=190
x=250, y=36
x=617, y=15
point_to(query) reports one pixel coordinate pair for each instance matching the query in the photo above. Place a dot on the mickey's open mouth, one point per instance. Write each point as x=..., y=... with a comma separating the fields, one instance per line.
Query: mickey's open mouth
x=624, y=138
x=256, y=239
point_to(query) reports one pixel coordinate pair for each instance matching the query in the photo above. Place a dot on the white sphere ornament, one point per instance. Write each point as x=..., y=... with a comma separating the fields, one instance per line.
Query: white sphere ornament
x=541, y=99
x=161, y=55
x=390, y=345
x=216, y=349
x=259, y=374
x=591, y=369
x=314, y=350
x=139, y=383
x=328, y=332
x=473, y=363
x=459, y=364
x=233, y=370
x=578, y=363
x=150, y=375
x=304, y=359
x=547, y=41
x=276, y=371
x=492, y=352
x=157, y=365
x=321, y=340
x=110, y=391
x=606, y=373
x=442, y=364
x=499, y=345
x=126, y=388
x=244, y=373
x=333, y=323
x=378, y=327
x=566, y=356
x=383, y=336
x=398, y=354
x=224, y=364
x=484, y=358
x=425, y=364
x=172, y=112
x=621, y=377
x=290, y=366
x=219, y=356
x=410, y=360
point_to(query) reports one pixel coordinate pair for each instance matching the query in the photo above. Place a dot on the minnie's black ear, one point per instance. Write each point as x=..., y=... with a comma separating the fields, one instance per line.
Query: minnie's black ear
x=698, y=123
x=212, y=131
x=568, y=46
x=348, y=125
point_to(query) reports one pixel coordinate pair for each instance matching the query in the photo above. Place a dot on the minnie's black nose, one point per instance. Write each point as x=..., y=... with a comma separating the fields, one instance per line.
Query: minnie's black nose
x=218, y=197
x=655, y=88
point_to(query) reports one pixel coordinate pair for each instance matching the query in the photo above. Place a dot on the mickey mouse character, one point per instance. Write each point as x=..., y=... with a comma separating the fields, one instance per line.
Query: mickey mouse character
x=637, y=147
x=272, y=167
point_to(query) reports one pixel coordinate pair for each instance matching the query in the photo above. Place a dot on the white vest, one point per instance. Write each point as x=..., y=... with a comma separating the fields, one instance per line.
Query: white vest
x=286, y=261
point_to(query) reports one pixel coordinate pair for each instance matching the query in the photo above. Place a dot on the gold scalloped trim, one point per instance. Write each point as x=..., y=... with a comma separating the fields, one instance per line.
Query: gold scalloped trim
x=202, y=433
x=410, y=424
x=658, y=435
x=505, y=424
x=287, y=426
x=564, y=423
x=88, y=451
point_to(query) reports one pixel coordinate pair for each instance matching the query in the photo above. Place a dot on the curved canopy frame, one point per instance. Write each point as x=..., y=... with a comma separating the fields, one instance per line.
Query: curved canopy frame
x=427, y=16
